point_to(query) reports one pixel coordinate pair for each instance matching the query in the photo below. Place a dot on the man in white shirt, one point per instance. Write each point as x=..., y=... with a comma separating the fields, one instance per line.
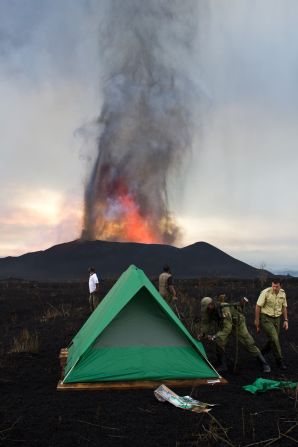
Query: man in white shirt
x=93, y=289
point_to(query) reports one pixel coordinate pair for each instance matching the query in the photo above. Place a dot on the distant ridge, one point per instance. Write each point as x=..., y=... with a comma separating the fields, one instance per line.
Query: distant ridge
x=70, y=261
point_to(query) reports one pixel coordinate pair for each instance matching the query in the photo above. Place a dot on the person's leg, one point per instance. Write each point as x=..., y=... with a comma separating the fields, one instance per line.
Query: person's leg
x=222, y=337
x=95, y=301
x=221, y=359
x=271, y=327
x=246, y=339
x=91, y=302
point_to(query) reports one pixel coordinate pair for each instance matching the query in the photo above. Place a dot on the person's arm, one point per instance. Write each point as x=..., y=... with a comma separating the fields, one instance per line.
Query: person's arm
x=96, y=283
x=285, y=316
x=173, y=292
x=172, y=288
x=257, y=317
x=260, y=303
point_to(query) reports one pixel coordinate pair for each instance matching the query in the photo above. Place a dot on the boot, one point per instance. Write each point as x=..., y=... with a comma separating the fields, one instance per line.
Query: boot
x=280, y=363
x=265, y=365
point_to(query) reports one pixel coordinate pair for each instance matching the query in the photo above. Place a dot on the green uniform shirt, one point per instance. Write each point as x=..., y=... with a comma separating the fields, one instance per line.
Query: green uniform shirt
x=210, y=320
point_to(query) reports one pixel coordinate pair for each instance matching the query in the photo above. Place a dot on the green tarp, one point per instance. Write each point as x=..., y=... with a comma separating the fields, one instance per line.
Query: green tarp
x=134, y=335
x=261, y=385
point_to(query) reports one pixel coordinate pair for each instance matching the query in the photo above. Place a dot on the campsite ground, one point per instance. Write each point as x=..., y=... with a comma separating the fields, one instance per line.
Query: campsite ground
x=37, y=319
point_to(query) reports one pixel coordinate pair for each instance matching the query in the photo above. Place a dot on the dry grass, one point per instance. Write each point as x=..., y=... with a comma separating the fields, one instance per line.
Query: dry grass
x=186, y=310
x=53, y=312
x=5, y=432
x=26, y=342
x=210, y=432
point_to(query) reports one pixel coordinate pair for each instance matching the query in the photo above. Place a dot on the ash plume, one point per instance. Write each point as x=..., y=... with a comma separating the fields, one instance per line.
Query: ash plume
x=146, y=119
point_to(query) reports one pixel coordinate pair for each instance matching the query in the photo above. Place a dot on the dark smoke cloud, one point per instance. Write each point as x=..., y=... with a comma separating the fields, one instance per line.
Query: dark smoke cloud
x=146, y=119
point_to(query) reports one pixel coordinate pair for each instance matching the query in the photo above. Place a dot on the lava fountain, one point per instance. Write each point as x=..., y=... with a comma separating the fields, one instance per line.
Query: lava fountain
x=145, y=122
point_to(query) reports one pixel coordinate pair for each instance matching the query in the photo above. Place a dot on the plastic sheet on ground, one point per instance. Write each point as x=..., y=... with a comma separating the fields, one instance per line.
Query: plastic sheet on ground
x=164, y=394
x=261, y=385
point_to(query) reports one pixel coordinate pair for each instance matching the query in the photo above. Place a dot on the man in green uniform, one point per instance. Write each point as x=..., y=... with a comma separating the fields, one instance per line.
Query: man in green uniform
x=223, y=318
x=271, y=305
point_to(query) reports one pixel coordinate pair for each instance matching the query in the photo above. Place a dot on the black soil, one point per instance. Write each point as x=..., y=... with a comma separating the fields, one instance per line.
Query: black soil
x=33, y=413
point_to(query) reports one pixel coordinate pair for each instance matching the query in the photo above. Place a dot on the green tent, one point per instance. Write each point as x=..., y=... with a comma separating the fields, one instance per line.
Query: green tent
x=134, y=335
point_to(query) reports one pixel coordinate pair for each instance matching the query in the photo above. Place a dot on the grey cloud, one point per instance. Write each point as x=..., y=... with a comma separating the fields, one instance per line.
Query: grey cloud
x=48, y=38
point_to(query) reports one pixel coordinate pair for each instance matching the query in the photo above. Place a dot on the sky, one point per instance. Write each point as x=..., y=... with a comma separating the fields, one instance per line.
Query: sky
x=237, y=189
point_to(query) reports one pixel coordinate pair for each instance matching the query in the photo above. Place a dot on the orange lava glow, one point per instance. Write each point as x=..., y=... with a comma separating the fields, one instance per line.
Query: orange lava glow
x=129, y=225
x=135, y=227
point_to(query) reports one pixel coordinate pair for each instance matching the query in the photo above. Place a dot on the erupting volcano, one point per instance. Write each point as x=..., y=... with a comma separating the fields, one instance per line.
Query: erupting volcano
x=145, y=122
x=118, y=211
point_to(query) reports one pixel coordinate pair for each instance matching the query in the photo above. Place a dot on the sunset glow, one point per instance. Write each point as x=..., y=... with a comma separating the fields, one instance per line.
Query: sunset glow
x=37, y=220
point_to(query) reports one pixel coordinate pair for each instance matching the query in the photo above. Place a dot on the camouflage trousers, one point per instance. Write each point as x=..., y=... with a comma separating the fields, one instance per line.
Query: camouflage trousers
x=239, y=327
x=271, y=326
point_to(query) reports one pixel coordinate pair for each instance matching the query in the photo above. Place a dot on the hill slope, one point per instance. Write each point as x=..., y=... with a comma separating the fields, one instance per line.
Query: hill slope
x=71, y=260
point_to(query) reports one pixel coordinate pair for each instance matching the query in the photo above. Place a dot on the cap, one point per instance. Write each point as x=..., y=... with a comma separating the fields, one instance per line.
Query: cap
x=205, y=301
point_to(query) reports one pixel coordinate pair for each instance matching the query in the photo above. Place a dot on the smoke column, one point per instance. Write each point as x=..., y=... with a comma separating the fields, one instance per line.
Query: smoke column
x=146, y=119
